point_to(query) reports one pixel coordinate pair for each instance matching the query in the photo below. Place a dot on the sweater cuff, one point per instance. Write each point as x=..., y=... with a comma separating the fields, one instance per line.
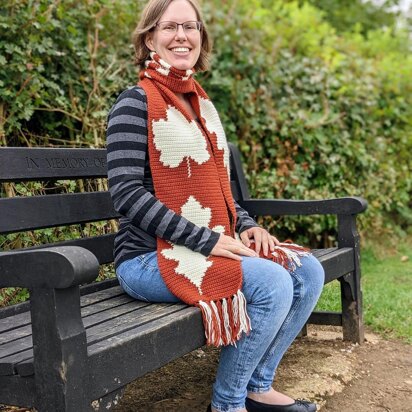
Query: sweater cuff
x=210, y=244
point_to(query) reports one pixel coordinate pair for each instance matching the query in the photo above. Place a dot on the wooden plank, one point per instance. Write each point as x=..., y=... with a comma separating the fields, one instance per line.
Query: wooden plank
x=109, y=316
x=84, y=290
x=113, y=328
x=325, y=318
x=287, y=207
x=321, y=252
x=17, y=391
x=98, y=286
x=24, y=318
x=22, y=329
x=150, y=346
x=8, y=364
x=37, y=212
x=14, y=309
x=101, y=246
x=337, y=263
x=23, y=164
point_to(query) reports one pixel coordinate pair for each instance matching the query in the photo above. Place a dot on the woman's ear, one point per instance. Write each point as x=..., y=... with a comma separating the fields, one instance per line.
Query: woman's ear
x=149, y=41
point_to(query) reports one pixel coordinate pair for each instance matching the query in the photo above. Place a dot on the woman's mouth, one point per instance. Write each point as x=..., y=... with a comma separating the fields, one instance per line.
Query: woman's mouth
x=180, y=50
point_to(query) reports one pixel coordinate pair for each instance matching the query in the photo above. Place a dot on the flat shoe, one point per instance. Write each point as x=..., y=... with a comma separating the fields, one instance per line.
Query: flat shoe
x=298, y=406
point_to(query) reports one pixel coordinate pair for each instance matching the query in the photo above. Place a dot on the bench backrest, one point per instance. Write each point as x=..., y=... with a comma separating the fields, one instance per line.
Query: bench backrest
x=26, y=213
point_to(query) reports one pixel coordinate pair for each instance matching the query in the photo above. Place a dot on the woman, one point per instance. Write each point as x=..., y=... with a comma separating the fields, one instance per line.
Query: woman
x=168, y=175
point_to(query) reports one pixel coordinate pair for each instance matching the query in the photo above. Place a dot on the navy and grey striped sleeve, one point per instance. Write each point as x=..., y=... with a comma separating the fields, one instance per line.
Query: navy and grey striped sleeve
x=126, y=159
x=244, y=221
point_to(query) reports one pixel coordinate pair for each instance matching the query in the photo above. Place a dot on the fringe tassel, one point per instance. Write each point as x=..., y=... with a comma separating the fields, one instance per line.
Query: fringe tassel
x=225, y=320
x=286, y=254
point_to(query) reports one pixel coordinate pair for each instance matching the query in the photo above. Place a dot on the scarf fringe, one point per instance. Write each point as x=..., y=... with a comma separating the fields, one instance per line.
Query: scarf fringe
x=288, y=255
x=225, y=320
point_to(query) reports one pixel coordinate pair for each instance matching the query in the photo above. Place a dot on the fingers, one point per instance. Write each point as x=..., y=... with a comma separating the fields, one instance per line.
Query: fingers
x=244, y=236
x=231, y=248
x=275, y=240
x=263, y=240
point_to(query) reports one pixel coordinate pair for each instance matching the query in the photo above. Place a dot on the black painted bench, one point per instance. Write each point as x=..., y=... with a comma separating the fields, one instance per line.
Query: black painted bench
x=74, y=348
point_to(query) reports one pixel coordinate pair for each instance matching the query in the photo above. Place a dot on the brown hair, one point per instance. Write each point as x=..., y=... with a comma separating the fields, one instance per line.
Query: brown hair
x=153, y=10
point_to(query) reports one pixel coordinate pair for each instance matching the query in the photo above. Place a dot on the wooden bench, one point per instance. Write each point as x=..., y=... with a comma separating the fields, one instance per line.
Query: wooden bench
x=74, y=348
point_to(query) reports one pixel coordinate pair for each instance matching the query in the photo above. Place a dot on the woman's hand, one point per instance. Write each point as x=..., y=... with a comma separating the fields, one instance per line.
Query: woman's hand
x=262, y=238
x=231, y=248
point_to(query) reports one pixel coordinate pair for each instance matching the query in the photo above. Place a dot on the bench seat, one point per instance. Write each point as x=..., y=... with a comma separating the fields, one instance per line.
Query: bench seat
x=114, y=322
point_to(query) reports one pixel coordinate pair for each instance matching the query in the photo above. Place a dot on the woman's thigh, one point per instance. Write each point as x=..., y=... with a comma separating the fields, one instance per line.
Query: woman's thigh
x=140, y=278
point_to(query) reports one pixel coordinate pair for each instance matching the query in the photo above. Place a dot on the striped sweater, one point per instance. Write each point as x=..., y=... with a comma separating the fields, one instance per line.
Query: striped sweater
x=144, y=217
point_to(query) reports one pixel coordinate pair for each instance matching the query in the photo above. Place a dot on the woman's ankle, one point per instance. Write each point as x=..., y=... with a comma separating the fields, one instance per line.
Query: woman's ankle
x=271, y=397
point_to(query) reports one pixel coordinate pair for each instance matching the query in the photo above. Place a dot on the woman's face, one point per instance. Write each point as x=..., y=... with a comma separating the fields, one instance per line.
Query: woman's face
x=180, y=49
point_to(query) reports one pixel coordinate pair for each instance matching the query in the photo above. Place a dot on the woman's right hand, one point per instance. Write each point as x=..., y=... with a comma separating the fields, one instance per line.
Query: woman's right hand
x=231, y=248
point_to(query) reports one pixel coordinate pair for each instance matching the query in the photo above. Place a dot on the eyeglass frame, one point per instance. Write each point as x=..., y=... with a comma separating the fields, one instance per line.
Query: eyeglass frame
x=199, y=25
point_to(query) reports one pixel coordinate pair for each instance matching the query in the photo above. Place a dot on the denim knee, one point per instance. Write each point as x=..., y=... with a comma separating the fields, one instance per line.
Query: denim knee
x=266, y=283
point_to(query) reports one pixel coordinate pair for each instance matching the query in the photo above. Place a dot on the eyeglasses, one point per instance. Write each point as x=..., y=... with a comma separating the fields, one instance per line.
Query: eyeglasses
x=171, y=27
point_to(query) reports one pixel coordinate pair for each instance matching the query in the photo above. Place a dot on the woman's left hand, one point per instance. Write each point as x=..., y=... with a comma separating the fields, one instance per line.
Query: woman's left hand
x=262, y=238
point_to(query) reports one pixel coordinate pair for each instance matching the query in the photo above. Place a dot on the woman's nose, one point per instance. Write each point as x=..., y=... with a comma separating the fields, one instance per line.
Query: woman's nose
x=180, y=33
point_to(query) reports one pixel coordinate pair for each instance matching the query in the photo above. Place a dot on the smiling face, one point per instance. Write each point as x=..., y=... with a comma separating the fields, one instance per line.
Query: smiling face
x=180, y=49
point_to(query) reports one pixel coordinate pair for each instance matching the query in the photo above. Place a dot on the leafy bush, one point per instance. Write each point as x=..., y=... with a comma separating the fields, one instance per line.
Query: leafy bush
x=319, y=109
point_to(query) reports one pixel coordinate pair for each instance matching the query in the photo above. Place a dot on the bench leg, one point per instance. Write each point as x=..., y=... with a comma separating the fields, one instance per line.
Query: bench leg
x=350, y=284
x=60, y=351
x=352, y=316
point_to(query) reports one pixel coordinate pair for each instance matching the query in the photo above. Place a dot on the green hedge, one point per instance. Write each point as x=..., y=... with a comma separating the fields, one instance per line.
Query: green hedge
x=317, y=110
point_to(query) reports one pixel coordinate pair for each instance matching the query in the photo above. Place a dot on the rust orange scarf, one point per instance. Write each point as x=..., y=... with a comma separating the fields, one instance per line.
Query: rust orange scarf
x=189, y=160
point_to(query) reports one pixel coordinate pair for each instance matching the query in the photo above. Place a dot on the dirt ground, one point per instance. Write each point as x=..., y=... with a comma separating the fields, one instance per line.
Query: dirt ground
x=337, y=375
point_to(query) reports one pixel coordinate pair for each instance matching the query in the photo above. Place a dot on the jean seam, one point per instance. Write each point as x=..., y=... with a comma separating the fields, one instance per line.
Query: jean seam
x=143, y=262
x=130, y=291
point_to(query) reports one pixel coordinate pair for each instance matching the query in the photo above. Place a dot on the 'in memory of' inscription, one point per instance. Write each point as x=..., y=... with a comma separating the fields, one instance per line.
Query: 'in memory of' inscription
x=64, y=163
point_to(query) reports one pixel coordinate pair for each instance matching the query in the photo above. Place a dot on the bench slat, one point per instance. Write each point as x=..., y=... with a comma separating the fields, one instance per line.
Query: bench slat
x=24, y=164
x=84, y=290
x=112, y=315
x=24, y=318
x=14, y=390
x=150, y=314
x=37, y=212
x=337, y=263
x=24, y=328
x=159, y=342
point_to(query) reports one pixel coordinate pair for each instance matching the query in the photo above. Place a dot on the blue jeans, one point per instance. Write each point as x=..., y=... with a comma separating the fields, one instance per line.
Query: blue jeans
x=278, y=303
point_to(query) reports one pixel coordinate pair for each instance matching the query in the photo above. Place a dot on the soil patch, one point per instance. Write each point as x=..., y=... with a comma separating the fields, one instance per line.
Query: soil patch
x=337, y=375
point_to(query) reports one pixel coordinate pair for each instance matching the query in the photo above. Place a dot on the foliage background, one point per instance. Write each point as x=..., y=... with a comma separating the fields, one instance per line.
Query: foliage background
x=317, y=94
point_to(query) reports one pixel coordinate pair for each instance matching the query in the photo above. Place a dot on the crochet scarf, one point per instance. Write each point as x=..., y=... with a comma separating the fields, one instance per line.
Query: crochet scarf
x=189, y=161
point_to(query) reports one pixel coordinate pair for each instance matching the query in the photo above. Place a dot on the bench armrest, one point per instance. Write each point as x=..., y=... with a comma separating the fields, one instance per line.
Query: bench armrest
x=54, y=267
x=280, y=207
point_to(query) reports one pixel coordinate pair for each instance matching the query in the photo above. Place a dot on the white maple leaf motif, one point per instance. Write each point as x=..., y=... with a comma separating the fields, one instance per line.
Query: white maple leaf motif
x=176, y=139
x=214, y=125
x=192, y=265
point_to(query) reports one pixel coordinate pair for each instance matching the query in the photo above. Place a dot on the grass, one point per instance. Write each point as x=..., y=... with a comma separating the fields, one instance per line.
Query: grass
x=387, y=291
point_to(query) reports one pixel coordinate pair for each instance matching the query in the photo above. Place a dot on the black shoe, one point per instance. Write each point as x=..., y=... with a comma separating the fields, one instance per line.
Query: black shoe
x=209, y=408
x=298, y=406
